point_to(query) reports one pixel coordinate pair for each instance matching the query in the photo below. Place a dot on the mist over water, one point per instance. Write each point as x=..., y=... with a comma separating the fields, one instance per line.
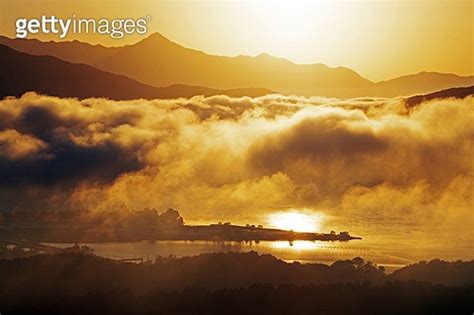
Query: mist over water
x=399, y=177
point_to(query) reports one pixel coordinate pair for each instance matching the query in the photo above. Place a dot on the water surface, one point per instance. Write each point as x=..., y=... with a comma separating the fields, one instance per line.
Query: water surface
x=391, y=256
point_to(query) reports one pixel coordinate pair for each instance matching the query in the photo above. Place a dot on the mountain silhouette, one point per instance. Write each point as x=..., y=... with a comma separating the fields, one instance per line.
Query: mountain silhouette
x=157, y=61
x=458, y=93
x=22, y=72
x=422, y=83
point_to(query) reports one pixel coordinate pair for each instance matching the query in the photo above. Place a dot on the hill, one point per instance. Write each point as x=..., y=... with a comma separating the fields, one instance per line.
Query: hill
x=453, y=92
x=437, y=272
x=223, y=283
x=22, y=72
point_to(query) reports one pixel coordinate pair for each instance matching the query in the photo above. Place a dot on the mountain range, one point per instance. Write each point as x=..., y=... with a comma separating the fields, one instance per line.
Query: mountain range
x=158, y=62
x=22, y=72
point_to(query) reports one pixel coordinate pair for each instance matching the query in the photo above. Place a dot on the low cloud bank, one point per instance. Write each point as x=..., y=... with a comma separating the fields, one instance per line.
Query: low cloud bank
x=222, y=158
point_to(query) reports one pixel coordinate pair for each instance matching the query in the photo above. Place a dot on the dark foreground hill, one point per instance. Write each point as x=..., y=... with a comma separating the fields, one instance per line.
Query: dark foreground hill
x=458, y=93
x=226, y=283
x=22, y=72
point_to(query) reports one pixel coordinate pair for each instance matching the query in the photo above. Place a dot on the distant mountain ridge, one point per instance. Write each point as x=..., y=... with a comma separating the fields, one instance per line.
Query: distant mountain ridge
x=22, y=72
x=458, y=93
x=158, y=61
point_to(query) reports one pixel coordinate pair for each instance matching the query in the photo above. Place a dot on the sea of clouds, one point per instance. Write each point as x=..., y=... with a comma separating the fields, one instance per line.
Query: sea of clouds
x=222, y=158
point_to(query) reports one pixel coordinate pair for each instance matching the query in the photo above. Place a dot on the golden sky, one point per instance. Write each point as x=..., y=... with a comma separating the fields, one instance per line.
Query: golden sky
x=378, y=39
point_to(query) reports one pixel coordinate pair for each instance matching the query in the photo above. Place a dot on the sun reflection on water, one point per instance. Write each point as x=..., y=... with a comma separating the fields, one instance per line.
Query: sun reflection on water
x=298, y=245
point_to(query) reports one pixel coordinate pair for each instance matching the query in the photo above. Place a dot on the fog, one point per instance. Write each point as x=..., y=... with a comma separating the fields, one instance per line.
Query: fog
x=369, y=161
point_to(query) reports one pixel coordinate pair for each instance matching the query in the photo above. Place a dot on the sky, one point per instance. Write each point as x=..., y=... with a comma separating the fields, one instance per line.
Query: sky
x=378, y=39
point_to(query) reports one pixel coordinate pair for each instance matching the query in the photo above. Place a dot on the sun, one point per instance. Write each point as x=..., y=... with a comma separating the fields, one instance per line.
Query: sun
x=296, y=221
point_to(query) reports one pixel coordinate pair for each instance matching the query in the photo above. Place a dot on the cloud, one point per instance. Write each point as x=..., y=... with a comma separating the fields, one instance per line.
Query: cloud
x=15, y=145
x=223, y=158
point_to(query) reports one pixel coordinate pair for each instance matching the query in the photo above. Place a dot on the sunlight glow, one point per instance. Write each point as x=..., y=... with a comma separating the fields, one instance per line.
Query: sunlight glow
x=296, y=221
x=286, y=22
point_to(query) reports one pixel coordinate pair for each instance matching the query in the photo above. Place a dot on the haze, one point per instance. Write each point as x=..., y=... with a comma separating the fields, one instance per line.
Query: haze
x=334, y=33
x=373, y=166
